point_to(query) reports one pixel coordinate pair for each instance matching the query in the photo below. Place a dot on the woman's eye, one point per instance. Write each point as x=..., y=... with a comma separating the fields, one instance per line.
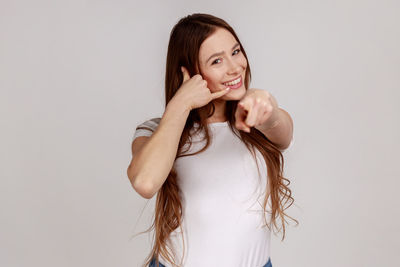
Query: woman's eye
x=238, y=51
x=215, y=61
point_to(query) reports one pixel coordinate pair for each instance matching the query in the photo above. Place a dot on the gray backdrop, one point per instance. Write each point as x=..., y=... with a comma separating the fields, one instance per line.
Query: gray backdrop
x=76, y=77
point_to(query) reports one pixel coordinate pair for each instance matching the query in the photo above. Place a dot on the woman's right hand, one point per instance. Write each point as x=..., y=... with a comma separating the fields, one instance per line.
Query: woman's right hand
x=194, y=92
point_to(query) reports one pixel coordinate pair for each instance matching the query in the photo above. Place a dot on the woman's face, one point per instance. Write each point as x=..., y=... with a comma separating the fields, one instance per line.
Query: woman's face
x=222, y=61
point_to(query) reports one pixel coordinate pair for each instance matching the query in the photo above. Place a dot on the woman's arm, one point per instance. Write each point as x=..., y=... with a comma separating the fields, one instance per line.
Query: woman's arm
x=154, y=156
x=281, y=132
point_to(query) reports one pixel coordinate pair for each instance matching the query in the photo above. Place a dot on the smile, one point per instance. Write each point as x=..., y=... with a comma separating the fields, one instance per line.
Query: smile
x=235, y=84
x=236, y=81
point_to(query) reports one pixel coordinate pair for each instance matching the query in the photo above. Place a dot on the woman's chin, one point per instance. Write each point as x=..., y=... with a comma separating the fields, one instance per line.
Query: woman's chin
x=235, y=94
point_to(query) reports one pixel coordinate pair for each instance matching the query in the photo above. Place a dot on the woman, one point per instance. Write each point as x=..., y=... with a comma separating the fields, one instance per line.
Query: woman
x=214, y=157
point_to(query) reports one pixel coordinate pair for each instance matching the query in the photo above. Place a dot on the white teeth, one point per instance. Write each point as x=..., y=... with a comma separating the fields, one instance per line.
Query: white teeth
x=233, y=82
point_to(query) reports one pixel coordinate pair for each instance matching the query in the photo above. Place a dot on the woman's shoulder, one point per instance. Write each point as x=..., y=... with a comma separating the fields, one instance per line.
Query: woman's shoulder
x=147, y=127
x=151, y=123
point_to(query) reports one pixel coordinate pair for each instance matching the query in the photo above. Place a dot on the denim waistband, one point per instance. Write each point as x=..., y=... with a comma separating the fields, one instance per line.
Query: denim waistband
x=153, y=263
x=268, y=264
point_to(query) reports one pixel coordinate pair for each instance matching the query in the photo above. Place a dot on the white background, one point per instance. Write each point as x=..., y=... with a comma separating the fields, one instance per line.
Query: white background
x=76, y=77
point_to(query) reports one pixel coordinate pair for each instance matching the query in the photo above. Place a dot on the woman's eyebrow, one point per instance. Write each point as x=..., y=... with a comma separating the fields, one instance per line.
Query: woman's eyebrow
x=221, y=53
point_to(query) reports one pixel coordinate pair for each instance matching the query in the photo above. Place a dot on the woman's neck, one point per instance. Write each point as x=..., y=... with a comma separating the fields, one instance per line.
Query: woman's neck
x=219, y=112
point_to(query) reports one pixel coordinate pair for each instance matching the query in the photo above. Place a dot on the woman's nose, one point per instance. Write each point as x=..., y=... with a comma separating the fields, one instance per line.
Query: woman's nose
x=233, y=67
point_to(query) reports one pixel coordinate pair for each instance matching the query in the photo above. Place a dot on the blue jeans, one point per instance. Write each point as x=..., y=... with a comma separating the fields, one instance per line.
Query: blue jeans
x=153, y=263
x=268, y=264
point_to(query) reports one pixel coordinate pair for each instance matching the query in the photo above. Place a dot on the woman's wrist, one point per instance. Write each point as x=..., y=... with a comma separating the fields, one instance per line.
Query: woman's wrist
x=177, y=107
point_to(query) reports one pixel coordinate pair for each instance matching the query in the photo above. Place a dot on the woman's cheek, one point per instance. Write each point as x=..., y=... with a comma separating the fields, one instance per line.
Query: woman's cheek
x=243, y=61
x=213, y=83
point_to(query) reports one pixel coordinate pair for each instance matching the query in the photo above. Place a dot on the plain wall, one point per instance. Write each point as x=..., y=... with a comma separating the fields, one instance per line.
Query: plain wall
x=76, y=77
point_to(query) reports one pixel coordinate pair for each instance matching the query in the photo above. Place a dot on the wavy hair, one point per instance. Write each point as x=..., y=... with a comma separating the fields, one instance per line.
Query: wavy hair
x=183, y=50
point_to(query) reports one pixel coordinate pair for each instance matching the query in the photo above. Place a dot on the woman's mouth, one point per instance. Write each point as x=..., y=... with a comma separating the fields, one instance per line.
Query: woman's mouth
x=235, y=83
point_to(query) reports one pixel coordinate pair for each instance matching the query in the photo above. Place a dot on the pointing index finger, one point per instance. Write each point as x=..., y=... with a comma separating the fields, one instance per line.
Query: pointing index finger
x=244, y=106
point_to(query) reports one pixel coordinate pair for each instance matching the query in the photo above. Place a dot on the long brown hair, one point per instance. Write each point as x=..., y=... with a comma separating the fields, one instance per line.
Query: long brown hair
x=183, y=50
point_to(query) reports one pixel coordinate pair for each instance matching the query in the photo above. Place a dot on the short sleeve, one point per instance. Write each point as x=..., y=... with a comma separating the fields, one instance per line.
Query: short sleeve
x=146, y=128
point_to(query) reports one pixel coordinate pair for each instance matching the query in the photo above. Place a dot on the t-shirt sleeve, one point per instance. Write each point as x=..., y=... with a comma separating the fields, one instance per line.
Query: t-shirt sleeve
x=146, y=128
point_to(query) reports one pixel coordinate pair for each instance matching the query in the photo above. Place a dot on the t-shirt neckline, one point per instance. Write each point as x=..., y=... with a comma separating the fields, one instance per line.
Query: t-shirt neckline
x=218, y=123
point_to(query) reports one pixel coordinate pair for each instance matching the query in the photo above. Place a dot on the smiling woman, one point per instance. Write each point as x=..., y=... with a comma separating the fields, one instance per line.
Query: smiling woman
x=213, y=181
x=225, y=68
x=222, y=69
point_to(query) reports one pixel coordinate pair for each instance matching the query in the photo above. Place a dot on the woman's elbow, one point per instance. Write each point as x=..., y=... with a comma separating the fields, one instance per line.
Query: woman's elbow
x=143, y=188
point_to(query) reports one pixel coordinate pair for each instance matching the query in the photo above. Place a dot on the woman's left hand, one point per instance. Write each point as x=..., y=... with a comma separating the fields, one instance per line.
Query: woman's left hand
x=257, y=107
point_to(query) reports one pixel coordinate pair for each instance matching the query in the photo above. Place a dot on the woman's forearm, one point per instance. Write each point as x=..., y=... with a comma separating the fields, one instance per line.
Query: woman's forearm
x=281, y=131
x=151, y=166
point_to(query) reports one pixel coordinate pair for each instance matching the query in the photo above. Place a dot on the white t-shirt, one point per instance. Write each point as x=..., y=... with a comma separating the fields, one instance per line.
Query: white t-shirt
x=222, y=197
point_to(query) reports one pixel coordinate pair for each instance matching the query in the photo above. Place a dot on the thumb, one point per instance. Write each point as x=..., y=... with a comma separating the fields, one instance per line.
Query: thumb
x=186, y=75
x=220, y=93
